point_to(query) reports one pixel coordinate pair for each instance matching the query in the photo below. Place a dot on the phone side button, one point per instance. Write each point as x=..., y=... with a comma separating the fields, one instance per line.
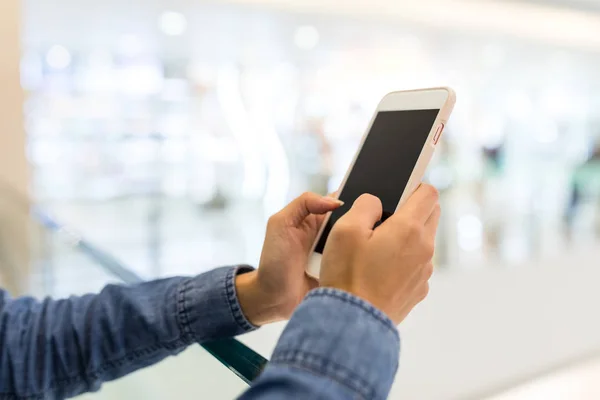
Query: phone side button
x=438, y=133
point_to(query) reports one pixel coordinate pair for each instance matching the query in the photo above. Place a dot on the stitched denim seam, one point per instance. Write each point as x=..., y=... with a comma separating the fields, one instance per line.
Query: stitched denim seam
x=94, y=374
x=318, y=375
x=183, y=311
x=232, y=300
x=323, y=366
x=348, y=298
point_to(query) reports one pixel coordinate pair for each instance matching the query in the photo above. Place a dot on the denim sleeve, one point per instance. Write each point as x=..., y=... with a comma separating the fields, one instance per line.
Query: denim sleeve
x=56, y=349
x=336, y=346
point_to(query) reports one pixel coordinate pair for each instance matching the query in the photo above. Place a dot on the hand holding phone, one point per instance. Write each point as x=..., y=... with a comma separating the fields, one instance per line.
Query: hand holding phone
x=393, y=156
x=388, y=266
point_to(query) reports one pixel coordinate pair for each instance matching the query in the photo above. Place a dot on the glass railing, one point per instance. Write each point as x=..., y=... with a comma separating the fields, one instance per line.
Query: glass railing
x=41, y=257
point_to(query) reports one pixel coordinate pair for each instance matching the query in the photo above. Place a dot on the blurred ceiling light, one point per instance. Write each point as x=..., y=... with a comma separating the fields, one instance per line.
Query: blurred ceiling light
x=58, y=57
x=306, y=37
x=440, y=176
x=524, y=20
x=172, y=23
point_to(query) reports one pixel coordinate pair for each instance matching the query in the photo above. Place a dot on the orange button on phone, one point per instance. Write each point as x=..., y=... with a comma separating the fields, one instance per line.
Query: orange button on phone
x=438, y=133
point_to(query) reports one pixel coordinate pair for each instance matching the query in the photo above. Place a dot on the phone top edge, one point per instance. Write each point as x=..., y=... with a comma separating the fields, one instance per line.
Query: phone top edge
x=418, y=99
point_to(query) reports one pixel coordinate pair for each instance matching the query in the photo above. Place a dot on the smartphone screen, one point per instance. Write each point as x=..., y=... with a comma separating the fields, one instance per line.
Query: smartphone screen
x=385, y=162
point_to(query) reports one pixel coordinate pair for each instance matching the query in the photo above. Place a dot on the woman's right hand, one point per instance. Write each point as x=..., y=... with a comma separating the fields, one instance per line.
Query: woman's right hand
x=389, y=266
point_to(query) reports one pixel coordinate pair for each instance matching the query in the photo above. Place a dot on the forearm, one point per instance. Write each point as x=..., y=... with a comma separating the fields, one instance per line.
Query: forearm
x=336, y=346
x=57, y=349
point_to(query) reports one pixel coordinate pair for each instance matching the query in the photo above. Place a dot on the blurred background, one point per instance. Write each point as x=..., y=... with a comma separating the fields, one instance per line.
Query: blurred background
x=188, y=123
x=167, y=132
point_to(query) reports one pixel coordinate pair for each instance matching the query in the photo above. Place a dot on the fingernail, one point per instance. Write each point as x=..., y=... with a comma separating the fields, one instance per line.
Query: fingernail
x=334, y=201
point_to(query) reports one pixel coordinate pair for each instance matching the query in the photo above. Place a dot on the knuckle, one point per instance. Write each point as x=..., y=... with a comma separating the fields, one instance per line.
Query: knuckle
x=423, y=291
x=273, y=220
x=428, y=271
x=429, y=250
x=344, y=229
x=413, y=227
x=306, y=196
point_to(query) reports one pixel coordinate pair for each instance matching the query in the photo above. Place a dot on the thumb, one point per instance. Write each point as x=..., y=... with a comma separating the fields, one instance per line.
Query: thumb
x=307, y=204
x=365, y=212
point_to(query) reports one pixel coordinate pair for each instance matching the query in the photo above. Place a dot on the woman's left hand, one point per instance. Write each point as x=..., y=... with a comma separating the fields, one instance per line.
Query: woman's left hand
x=273, y=292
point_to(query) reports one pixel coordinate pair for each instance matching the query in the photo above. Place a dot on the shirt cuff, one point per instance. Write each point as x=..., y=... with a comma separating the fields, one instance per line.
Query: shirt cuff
x=344, y=338
x=208, y=307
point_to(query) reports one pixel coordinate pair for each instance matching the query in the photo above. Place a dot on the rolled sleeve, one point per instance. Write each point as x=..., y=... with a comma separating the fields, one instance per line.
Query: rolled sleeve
x=338, y=336
x=56, y=349
x=208, y=307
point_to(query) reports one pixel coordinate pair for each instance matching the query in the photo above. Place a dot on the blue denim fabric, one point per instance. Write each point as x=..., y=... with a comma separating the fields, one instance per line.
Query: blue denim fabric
x=58, y=349
x=336, y=346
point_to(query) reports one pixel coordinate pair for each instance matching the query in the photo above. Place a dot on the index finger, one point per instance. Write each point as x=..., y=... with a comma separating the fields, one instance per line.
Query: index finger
x=422, y=203
x=309, y=203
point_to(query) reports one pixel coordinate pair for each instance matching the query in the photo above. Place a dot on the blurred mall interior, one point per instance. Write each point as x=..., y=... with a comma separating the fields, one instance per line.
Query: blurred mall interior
x=155, y=138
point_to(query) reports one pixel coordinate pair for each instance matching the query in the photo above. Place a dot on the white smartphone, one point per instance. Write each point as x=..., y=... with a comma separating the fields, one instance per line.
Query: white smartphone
x=392, y=157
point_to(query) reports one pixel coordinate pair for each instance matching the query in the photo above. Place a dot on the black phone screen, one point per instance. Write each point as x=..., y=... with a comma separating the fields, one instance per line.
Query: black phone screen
x=385, y=162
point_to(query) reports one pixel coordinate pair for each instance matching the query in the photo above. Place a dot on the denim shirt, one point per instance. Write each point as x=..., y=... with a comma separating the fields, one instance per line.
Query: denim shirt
x=336, y=346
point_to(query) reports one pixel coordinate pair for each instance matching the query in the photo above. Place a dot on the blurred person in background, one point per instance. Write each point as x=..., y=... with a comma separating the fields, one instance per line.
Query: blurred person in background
x=340, y=343
x=312, y=156
x=585, y=182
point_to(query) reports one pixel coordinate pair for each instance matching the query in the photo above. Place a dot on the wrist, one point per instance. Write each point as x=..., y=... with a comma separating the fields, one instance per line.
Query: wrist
x=258, y=307
x=367, y=296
